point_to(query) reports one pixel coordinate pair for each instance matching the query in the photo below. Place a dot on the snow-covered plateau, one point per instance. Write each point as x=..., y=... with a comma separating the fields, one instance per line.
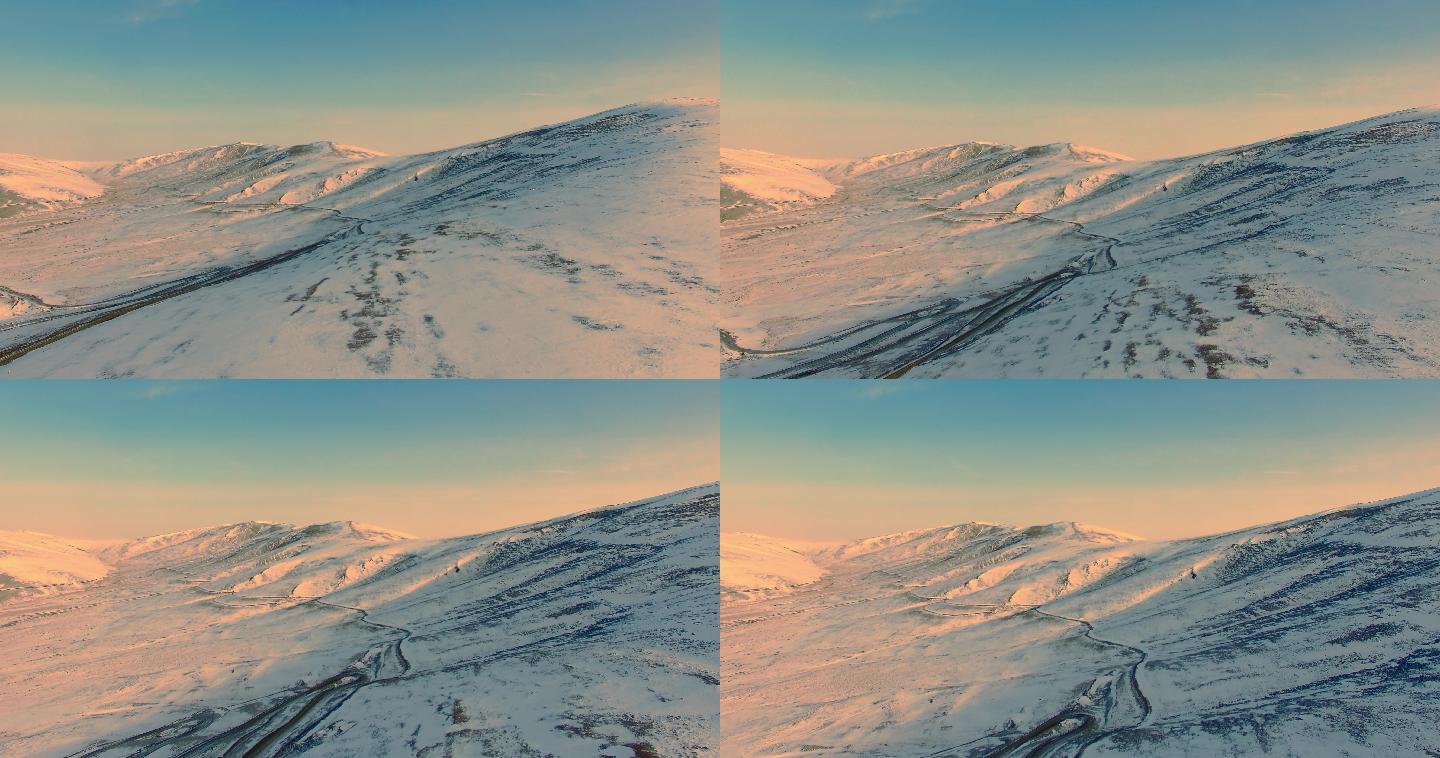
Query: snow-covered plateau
x=1312, y=255
x=591, y=634
x=582, y=249
x=1315, y=636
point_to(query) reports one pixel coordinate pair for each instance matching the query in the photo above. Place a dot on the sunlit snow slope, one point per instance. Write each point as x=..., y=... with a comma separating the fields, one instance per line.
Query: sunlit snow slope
x=592, y=634
x=37, y=564
x=1310, y=255
x=1314, y=636
x=581, y=249
x=29, y=184
x=752, y=565
x=754, y=181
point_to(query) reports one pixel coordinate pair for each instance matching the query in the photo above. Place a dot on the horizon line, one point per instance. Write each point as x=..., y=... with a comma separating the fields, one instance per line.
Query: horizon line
x=1122, y=157
x=105, y=162
x=405, y=535
x=1098, y=527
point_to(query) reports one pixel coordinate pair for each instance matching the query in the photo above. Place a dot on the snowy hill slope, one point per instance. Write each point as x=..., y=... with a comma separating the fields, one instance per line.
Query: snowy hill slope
x=1312, y=636
x=591, y=634
x=580, y=249
x=32, y=563
x=1309, y=255
x=31, y=184
x=753, y=565
x=754, y=181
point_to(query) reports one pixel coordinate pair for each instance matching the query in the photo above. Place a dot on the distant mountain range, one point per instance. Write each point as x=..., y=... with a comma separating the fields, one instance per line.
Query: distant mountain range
x=591, y=634
x=1313, y=636
x=579, y=249
x=1312, y=255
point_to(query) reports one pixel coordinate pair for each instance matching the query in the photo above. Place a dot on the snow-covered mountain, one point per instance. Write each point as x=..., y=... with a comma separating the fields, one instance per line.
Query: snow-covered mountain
x=591, y=634
x=581, y=249
x=1308, y=255
x=1314, y=636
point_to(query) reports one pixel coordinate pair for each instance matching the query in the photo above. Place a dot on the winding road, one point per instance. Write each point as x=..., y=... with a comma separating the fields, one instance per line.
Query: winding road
x=1079, y=725
x=1118, y=705
x=1114, y=701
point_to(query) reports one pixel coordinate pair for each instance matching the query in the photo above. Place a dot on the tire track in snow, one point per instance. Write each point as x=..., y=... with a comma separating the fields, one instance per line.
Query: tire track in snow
x=94, y=314
x=941, y=328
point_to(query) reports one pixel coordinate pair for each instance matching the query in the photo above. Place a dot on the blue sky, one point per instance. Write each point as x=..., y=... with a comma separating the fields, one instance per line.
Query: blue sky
x=1152, y=79
x=842, y=460
x=112, y=459
x=100, y=79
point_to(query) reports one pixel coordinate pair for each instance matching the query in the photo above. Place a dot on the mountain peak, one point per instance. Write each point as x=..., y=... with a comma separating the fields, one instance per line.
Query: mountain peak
x=334, y=148
x=1081, y=152
x=1087, y=532
x=364, y=531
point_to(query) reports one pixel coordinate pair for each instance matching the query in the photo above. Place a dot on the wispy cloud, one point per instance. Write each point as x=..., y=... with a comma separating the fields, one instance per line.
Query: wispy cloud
x=153, y=10
x=881, y=10
x=877, y=391
x=157, y=390
x=874, y=390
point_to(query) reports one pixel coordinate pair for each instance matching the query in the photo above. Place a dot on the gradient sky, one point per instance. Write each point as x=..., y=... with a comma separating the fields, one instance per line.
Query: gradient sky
x=128, y=459
x=847, y=78
x=111, y=79
x=838, y=460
